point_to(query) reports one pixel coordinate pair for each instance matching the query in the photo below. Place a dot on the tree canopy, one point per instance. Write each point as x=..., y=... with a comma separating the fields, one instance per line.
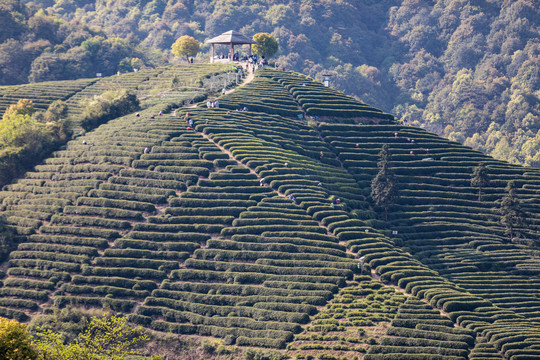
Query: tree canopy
x=512, y=215
x=480, y=179
x=105, y=338
x=384, y=184
x=185, y=46
x=15, y=342
x=22, y=107
x=266, y=45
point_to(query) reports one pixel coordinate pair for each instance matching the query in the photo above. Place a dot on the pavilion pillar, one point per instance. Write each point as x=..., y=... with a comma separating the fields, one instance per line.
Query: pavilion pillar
x=232, y=51
x=249, y=49
x=212, y=55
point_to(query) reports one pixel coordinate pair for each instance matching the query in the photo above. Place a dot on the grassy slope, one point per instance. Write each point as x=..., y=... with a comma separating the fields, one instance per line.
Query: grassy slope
x=186, y=240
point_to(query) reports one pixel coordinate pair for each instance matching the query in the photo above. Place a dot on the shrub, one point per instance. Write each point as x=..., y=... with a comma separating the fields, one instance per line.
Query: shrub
x=107, y=106
x=15, y=342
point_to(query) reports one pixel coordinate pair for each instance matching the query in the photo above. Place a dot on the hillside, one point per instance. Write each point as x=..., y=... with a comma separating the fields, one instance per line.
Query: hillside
x=184, y=238
x=465, y=70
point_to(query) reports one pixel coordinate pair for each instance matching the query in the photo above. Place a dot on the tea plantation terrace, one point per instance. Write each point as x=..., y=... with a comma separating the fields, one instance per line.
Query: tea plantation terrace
x=185, y=239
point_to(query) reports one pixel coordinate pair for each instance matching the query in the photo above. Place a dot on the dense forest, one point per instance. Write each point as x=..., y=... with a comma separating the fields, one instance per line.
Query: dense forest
x=468, y=70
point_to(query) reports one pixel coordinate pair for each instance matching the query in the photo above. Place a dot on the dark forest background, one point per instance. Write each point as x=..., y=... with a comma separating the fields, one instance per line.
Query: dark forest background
x=468, y=70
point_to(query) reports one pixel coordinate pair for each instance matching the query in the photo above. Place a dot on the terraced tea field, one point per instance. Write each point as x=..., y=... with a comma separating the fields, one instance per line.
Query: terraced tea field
x=257, y=227
x=152, y=86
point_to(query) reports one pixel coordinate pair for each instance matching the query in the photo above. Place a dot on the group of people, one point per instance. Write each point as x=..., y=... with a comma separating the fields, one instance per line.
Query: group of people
x=189, y=121
x=212, y=104
x=337, y=202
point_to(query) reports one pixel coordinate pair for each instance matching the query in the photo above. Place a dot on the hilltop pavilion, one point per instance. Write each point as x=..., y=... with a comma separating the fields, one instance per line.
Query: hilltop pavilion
x=231, y=38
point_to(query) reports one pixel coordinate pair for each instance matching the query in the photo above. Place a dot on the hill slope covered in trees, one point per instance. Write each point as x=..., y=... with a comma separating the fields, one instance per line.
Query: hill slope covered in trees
x=465, y=70
x=258, y=227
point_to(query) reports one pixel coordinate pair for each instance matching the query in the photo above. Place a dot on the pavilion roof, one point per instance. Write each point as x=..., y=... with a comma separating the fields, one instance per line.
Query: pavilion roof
x=231, y=37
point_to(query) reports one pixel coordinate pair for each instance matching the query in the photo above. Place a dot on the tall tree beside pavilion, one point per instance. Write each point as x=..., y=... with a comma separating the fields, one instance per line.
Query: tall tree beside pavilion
x=266, y=45
x=185, y=46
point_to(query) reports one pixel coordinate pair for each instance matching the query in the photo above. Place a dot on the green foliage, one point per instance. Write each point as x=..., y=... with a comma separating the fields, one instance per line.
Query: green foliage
x=40, y=46
x=23, y=107
x=383, y=185
x=512, y=215
x=109, y=105
x=24, y=141
x=69, y=321
x=266, y=45
x=185, y=46
x=15, y=342
x=56, y=111
x=480, y=179
x=104, y=338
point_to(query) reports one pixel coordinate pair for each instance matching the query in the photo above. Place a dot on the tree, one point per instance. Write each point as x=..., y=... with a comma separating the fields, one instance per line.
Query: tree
x=109, y=105
x=15, y=342
x=23, y=131
x=266, y=45
x=185, y=46
x=512, y=216
x=56, y=111
x=106, y=338
x=384, y=184
x=480, y=179
x=22, y=107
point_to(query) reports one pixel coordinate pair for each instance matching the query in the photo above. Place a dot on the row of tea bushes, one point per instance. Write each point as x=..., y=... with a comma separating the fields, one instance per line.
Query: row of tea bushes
x=60, y=182
x=263, y=94
x=93, y=216
x=42, y=94
x=419, y=331
x=441, y=221
x=176, y=85
x=437, y=214
x=352, y=321
x=154, y=246
x=318, y=100
x=313, y=195
x=260, y=248
x=229, y=258
x=393, y=266
x=129, y=81
x=226, y=276
x=518, y=293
